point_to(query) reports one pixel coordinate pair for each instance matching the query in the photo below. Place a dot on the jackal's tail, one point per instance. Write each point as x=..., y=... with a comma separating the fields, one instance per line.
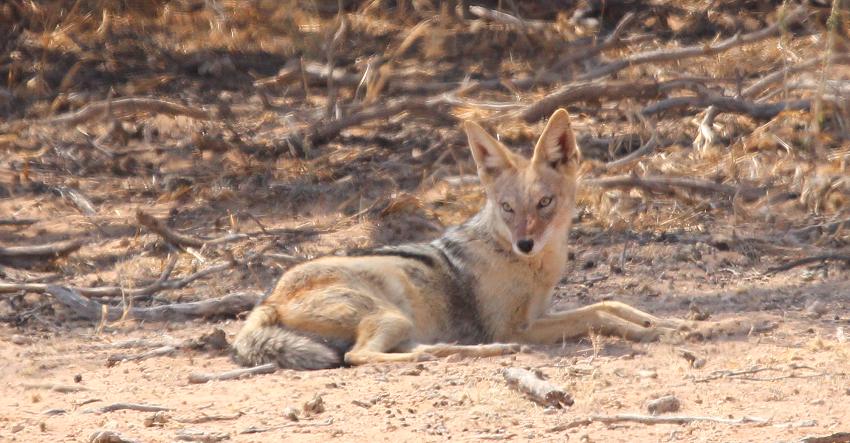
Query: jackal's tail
x=262, y=340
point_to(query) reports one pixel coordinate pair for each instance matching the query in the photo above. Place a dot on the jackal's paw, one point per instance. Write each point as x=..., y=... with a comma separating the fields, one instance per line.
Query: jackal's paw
x=730, y=327
x=423, y=356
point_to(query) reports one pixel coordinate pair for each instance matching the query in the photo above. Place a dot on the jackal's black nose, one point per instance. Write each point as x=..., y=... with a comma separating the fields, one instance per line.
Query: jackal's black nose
x=525, y=245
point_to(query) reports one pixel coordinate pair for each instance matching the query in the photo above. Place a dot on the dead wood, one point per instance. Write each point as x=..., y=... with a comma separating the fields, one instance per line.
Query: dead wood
x=128, y=106
x=109, y=437
x=673, y=184
x=660, y=420
x=608, y=90
x=508, y=19
x=678, y=54
x=613, y=40
x=201, y=435
x=55, y=387
x=229, y=305
x=647, y=148
x=114, y=359
x=207, y=418
x=760, y=111
x=536, y=389
x=130, y=406
x=77, y=199
x=807, y=260
x=176, y=238
x=234, y=374
x=316, y=74
x=323, y=132
x=781, y=75
x=17, y=221
x=746, y=374
x=837, y=437
x=44, y=251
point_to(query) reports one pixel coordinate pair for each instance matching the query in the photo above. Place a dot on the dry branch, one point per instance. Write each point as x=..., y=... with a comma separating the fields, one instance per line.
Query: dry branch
x=234, y=374
x=114, y=359
x=131, y=406
x=609, y=90
x=178, y=239
x=672, y=184
x=781, y=75
x=128, y=106
x=228, y=305
x=660, y=420
x=613, y=40
x=55, y=387
x=507, y=19
x=324, y=132
x=669, y=55
x=807, y=260
x=17, y=221
x=47, y=250
x=837, y=437
x=761, y=111
x=537, y=389
x=316, y=74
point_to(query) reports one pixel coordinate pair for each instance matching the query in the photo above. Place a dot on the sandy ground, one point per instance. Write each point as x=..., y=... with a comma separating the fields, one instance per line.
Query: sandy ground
x=798, y=381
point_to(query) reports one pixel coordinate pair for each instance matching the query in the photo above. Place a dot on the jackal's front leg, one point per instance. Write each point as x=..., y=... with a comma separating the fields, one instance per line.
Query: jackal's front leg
x=607, y=318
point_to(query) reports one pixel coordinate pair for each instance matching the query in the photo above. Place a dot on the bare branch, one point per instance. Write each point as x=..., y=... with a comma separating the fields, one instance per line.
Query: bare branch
x=47, y=250
x=807, y=260
x=234, y=374
x=537, y=389
x=128, y=106
x=669, y=55
x=671, y=184
x=507, y=19
x=761, y=111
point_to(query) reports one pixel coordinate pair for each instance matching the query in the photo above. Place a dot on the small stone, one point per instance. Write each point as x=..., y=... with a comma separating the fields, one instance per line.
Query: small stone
x=316, y=405
x=20, y=339
x=662, y=405
x=291, y=413
x=817, y=309
x=647, y=373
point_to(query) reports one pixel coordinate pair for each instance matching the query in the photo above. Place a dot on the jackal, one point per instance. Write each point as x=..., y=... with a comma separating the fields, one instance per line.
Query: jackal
x=479, y=290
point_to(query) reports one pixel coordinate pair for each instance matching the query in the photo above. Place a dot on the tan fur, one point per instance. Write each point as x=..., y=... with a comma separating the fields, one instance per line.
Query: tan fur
x=482, y=284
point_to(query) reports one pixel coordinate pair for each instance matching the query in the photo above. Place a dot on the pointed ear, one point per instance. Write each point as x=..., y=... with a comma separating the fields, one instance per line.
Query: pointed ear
x=490, y=156
x=557, y=145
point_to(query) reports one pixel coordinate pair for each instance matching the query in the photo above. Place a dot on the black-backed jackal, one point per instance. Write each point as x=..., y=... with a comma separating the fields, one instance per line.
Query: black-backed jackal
x=479, y=290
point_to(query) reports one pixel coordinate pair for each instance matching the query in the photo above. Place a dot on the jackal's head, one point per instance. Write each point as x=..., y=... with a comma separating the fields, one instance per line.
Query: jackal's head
x=530, y=200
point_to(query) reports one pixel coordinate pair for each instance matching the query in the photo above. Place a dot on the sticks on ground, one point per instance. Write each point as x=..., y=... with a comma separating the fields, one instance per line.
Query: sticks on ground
x=127, y=106
x=234, y=374
x=48, y=250
x=807, y=260
x=114, y=359
x=537, y=389
x=178, y=239
x=760, y=111
x=669, y=55
x=660, y=420
x=672, y=184
x=229, y=305
x=611, y=90
x=131, y=406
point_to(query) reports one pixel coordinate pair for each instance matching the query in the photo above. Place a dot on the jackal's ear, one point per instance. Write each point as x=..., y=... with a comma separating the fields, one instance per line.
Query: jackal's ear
x=557, y=145
x=490, y=156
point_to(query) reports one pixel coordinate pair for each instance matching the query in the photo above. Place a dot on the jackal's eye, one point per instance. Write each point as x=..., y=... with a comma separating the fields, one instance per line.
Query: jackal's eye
x=507, y=207
x=544, y=202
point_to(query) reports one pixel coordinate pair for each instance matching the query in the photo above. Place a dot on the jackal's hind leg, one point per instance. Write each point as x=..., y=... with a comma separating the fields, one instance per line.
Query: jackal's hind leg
x=488, y=350
x=634, y=315
x=377, y=335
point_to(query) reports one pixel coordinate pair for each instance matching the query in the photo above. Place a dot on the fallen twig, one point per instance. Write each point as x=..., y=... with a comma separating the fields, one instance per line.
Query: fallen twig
x=761, y=111
x=17, y=221
x=109, y=437
x=56, y=249
x=127, y=106
x=55, y=387
x=610, y=90
x=114, y=359
x=507, y=19
x=178, y=239
x=201, y=435
x=234, y=374
x=745, y=374
x=807, y=260
x=669, y=55
x=537, y=389
x=660, y=420
x=838, y=437
x=131, y=406
x=671, y=184
x=781, y=75
x=611, y=41
x=228, y=305
x=207, y=418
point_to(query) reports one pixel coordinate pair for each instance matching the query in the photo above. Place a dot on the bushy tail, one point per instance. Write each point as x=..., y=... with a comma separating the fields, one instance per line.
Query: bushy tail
x=262, y=340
